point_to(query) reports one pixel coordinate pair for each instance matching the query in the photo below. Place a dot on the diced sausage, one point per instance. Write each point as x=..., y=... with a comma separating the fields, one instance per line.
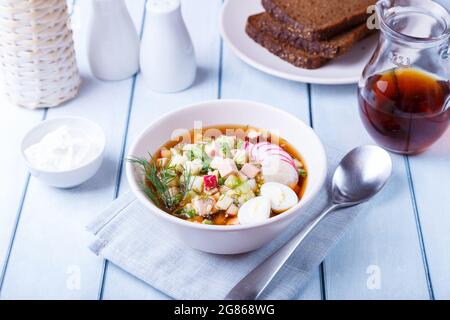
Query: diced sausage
x=250, y=170
x=227, y=167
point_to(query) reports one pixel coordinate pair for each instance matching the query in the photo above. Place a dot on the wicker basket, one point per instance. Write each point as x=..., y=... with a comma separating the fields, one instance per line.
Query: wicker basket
x=37, y=57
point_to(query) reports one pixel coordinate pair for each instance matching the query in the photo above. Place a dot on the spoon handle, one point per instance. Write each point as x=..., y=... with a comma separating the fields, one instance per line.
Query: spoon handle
x=251, y=286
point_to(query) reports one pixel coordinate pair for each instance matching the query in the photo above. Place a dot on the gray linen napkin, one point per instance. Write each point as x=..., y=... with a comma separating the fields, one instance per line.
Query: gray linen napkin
x=133, y=239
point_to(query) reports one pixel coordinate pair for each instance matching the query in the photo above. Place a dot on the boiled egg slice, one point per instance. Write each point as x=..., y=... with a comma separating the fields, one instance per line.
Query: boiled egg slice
x=254, y=210
x=281, y=196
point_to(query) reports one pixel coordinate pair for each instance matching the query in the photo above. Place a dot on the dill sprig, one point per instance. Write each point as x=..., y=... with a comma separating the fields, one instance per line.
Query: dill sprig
x=156, y=183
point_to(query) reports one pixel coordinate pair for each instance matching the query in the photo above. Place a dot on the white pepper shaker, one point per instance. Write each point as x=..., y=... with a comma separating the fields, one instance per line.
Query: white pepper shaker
x=113, y=48
x=167, y=54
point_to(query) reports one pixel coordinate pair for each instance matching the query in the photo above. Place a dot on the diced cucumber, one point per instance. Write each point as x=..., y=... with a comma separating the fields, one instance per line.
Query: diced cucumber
x=245, y=197
x=194, y=167
x=178, y=161
x=228, y=140
x=252, y=184
x=224, y=202
x=240, y=157
x=239, y=143
x=198, y=151
x=243, y=188
x=225, y=151
x=225, y=143
x=190, y=155
x=231, y=193
x=232, y=181
x=197, y=184
x=190, y=195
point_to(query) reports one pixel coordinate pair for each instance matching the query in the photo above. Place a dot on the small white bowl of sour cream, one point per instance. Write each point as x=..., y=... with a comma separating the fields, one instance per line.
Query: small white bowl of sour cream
x=64, y=152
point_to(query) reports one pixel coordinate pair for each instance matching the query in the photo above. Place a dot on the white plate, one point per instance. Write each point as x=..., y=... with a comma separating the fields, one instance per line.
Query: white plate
x=344, y=70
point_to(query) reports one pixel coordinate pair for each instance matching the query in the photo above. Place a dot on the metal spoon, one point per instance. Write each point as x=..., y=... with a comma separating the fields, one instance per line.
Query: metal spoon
x=360, y=175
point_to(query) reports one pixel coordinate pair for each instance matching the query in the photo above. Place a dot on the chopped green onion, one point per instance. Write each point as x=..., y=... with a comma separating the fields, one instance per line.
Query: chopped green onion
x=190, y=213
x=190, y=155
x=232, y=181
x=226, y=150
x=302, y=173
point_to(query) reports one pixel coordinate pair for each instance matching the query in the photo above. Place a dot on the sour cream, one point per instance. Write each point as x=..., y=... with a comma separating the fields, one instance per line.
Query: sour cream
x=63, y=149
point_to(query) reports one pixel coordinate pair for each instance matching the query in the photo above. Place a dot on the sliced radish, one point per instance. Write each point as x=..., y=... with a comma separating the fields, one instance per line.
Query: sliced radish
x=283, y=155
x=279, y=150
x=288, y=162
x=267, y=145
x=263, y=149
x=284, y=158
x=277, y=164
x=259, y=151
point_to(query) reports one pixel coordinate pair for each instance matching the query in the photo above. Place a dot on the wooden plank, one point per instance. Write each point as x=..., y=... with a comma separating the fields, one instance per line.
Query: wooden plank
x=201, y=20
x=14, y=123
x=383, y=241
x=50, y=258
x=430, y=175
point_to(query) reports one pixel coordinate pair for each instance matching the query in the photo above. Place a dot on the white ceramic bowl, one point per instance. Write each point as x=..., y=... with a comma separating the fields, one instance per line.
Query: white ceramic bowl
x=73, y=177
x=240, y=238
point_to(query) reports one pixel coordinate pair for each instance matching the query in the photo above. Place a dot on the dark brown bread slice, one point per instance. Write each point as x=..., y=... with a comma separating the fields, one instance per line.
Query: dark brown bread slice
x=331, y=48
x=319, y=19
x=285, y=51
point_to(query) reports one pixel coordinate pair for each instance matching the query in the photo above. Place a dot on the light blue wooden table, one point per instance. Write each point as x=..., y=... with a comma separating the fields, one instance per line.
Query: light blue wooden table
x=399, y=248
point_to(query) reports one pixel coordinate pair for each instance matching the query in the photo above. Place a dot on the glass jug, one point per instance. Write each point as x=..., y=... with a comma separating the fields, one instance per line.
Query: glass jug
x=404, y=92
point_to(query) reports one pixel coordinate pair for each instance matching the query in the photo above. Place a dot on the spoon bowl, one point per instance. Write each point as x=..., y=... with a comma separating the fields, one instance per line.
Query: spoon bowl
x=361, y=174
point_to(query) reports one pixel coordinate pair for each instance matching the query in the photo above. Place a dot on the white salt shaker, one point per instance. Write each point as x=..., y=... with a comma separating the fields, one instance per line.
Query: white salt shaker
x=167, y=54
x=113, y=48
